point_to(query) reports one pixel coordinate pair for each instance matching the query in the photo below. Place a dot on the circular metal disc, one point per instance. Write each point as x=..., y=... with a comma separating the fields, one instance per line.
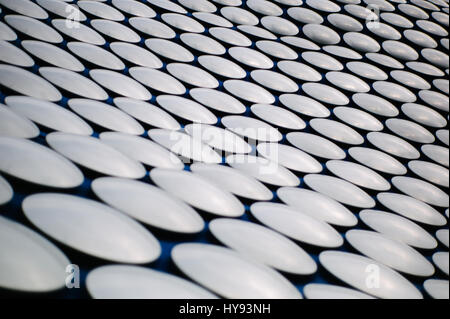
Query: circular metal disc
x=386, y=251
x=398, y=228
x=431, y=172
x=37, y=164
x=290, y=157
x=263, y=245
x=185, y=146
x=337, y=131
x=218, y=138
x=15, y=125
x=358, y=175
x=340, y=190
x=130, y=282
x=49, y=115
x=421, y=190
x=142, y=150
x=158, y=80
x=148, y=204
x=106, y=116
x=412, y=208
x=87, y=225
x=53, y=55
x=147, y=113
x=441, y=260
x=233, y=180
x=377, y=160
x=207, y=264
x=95, y=155
x=217, y=100
x=30, y=263
x=6, y=191
x=27, y=83
x=329, y=292
x=317, y=205
x=266, y=171
x=393, y=145
x=316, y=145
x=201, y=193
x=437, y=289
x=297, y=225
x=352, y=269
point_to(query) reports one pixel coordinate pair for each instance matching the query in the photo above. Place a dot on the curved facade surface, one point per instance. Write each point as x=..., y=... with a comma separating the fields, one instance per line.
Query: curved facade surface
x=173, y=149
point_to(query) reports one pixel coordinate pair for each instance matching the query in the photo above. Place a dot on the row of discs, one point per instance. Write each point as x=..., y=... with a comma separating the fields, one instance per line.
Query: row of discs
x=241, y=142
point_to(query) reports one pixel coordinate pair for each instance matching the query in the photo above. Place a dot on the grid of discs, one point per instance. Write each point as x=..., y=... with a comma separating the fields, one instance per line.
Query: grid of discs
x=203, y=146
